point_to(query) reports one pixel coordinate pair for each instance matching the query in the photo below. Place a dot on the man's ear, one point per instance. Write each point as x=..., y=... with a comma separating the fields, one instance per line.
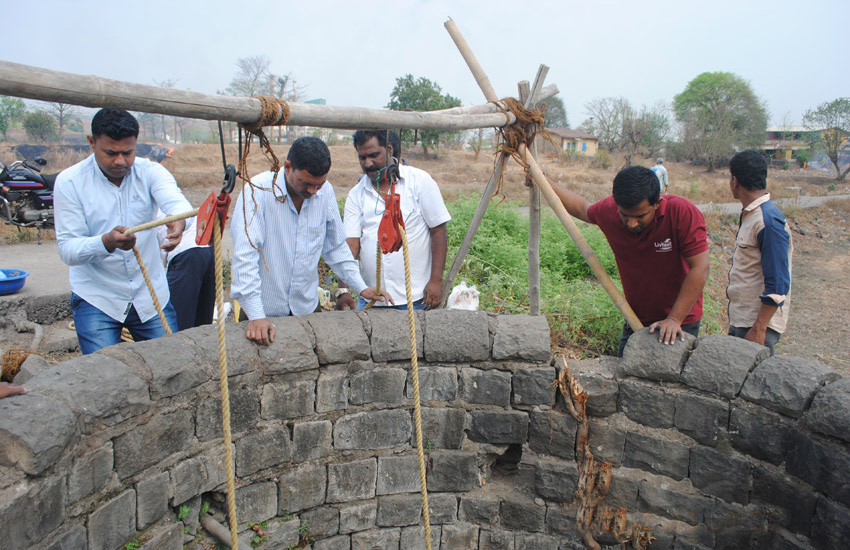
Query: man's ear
x=390, y=151
x=91, y=142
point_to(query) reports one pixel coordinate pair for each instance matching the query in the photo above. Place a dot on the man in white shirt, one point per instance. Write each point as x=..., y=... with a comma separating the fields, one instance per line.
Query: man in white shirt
x=661, y=174
x=425, y=217
x=280, y=228
x=95, y=202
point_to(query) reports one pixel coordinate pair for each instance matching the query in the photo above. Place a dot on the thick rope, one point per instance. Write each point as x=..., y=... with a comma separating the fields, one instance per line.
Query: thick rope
x=152, y=291
x=417, y=407
x=225, y=392
x=378, y=266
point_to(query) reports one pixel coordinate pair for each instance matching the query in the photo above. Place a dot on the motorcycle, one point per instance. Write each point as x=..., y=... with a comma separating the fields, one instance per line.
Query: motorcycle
x=26, y=195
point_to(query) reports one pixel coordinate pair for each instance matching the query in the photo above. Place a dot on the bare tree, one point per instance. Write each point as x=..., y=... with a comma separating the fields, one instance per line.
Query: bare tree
x=168, y=83
x=251, y=76
x=607, y=115
x=64, y=114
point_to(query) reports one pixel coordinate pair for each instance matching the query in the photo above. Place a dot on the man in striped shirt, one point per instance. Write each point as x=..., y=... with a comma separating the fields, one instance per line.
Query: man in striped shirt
x=280, y=228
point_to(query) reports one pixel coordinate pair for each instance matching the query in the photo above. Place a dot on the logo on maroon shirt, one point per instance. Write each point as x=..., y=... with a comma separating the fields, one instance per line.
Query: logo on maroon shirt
x=664, y=246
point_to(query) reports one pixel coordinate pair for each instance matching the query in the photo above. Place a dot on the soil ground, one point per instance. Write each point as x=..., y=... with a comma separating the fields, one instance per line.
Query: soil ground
x=820, y=317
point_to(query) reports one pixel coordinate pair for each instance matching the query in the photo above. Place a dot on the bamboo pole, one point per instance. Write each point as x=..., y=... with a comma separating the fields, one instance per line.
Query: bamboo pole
x=525, y=96
x=548, y=193
x=92, y=91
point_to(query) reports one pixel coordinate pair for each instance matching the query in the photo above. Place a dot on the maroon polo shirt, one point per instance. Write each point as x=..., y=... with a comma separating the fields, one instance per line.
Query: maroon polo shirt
x=652, y=263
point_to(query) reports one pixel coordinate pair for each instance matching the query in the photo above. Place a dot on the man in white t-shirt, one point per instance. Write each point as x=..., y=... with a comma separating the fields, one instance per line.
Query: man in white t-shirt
x=661, y=174
x=425, y=217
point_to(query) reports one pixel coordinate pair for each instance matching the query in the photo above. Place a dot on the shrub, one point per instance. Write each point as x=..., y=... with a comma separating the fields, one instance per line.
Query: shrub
x=602, y=160
x=41, y=126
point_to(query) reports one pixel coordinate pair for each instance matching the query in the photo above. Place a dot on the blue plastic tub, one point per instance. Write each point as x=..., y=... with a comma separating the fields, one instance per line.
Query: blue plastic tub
x=13, y=281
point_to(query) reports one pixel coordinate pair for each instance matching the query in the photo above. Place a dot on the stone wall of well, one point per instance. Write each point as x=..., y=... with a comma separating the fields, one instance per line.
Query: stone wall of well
x=714, y=445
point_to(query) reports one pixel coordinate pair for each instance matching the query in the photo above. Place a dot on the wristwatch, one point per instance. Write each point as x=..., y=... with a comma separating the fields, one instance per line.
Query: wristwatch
x=340, y=292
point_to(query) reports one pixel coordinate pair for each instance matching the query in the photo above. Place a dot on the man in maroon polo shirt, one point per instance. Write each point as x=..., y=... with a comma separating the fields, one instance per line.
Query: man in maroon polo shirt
x=661, y=247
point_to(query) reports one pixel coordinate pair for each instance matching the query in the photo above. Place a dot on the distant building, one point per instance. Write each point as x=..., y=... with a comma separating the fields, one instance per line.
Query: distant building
x=569, y=141
x=783, y=142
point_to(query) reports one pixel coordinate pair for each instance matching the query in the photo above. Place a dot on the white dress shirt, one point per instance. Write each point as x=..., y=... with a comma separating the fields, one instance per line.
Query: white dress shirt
x=422, y=209
x=86, y=206
x=291, y=244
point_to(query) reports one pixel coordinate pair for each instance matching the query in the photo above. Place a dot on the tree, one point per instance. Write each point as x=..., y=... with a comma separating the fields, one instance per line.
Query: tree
x=420, y=94
x=12, y=109
x=40, y=126
x=64, y=113
x=252, y=76
x=606, y=120
x=658, y=129
x=556, y=113
x=833, y=119
x=718, y=113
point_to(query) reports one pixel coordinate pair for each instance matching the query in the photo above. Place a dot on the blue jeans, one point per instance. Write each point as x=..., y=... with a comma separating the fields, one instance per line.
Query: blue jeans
x=96, y=330
x=770, y=336
x=417, y=305
x=690, y=328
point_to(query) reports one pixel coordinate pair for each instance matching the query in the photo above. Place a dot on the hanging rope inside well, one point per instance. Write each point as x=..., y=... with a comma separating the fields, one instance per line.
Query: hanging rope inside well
x=528, y=124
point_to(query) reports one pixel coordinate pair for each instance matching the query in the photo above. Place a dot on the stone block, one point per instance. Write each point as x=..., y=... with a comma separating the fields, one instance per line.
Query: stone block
x=647, y=405
x=174, y=366
x=194, y=476
x=533, y=386
x=378, y=385
x=498, y=428
x=398, y=474
x=320, y=523
x=385, y=539
x=459, y=536
x=29, y=512
x=453, y=471
x=90, y=473
x=113, y=523
x=340, y=336
x=830, y=410
x=31, y=367
x=666, y=500
x=391, y=335
x=658, y=456
x=759, y=433
x=357, y=517
x=100, y=390
x=646, y=357
x=536, y=541
x=443, y=508
x=625, y=485
x=291, y=399
x=292, y=349
x=831, y=526
x=399, y=510
x=552, y=432
x=700, y=417
x=341, y=542
x=380, y=429
x=735, y=526
x=485, y=387
x=242, y=354
x=35, y=430
x=786, y=384
x=607, y=441
x=332, y=391
x=435, y=384
x=160, y=436
x=312, y=440
x=790, y=503
x=721, y=363
x=75, y=538
x=719, y=475
x=256, y=503
x=263, y=449
x=441, y=428
x=480, y=510
x=352, y=480
x=780, y=539
x=151, y=500
x=556, y=480
x=280, y=534
x=244, y=412
x=603, y=390
x=301, y=488
x=495, y=539
x=824, y=466
x=521, y=337
x=522, y=514
x=561, y=520
x=168, y=537
x=413, y=538
x=456, y=336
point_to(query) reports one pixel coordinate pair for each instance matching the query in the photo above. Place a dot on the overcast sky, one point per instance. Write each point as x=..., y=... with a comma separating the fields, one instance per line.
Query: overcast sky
x=794, y=54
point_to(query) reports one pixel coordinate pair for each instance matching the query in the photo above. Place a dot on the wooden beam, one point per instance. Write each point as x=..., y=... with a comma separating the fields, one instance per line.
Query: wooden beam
x=91, y=91
x=525, y=96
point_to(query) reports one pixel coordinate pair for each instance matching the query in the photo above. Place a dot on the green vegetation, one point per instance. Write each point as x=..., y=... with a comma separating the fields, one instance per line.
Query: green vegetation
x=421, y=94
x=41, y=126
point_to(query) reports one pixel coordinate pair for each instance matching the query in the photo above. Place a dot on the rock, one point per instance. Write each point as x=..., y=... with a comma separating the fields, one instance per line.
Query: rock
x=391, y=335
x=456, y=336
x=700, y=417
x=786, y=384
x=340, y=336
x=647, y=404
x=485, y=387
x=113, y=523
x=719, y=475
x=31, y=367
x=533, y=386
x=264, y=449
x=453, y=471
x=256, y=503
x=498, y=428
x=646, y=357
x=35, y=431
x=301, y=488
x=720, y=364
x=656, y=455
x=521, y=337
x=380, y=429
x=292, y=349
x=352, y=480
x=830, y=410
x=435, y=384
x=759, y=433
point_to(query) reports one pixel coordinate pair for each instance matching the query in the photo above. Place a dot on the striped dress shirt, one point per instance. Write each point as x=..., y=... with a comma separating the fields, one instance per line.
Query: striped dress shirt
x=284, y=278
